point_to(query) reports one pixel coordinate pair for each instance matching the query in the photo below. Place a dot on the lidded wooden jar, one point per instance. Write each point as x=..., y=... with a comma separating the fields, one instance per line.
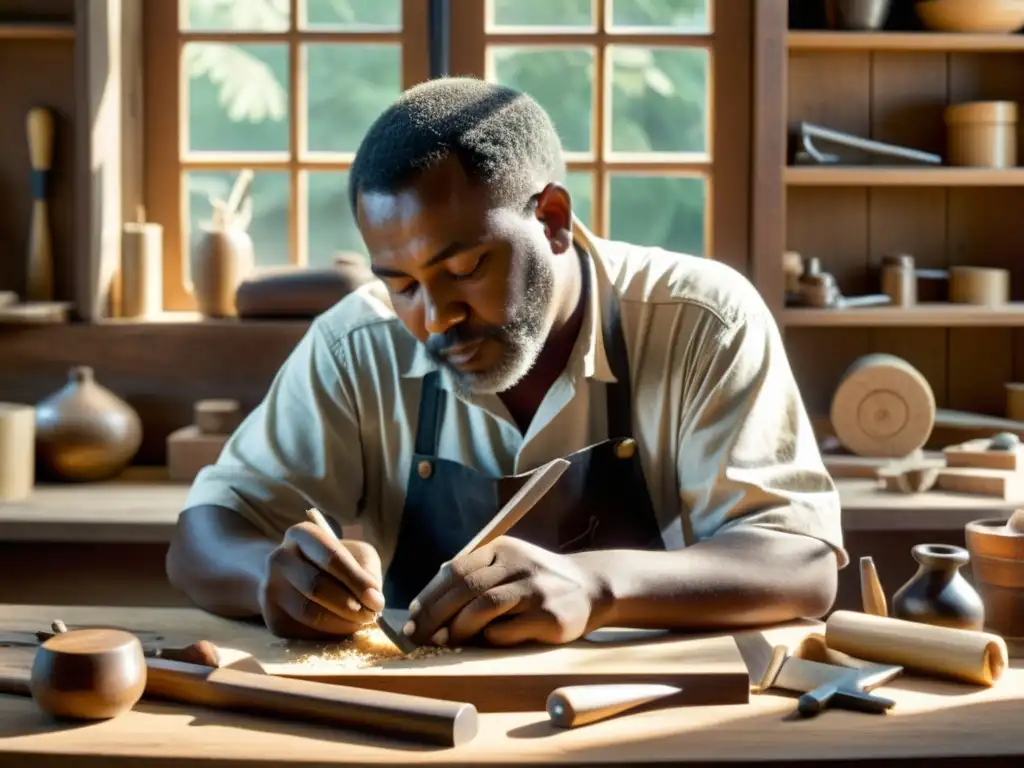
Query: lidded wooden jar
x=982, y=134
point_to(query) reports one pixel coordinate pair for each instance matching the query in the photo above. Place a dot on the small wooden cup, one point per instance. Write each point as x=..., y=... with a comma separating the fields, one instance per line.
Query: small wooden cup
x=88, y=674
x=997, y=564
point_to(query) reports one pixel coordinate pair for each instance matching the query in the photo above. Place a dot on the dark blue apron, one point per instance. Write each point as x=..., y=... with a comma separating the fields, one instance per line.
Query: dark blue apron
x=601, y=502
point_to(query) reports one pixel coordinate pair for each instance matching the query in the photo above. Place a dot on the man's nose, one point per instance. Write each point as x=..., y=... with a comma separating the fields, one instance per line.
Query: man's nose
x=440, y=313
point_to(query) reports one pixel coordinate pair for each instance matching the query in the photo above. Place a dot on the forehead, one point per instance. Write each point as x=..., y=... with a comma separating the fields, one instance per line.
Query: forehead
x=439, y=207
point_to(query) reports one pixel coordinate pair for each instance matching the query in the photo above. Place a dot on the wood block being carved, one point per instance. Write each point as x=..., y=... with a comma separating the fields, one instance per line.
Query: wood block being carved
x=189, y=450
x=976, y=454
x=982, y=482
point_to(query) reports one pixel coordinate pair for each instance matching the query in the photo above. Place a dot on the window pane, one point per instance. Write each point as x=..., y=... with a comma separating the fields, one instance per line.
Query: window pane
x=540, y=13
x=348, y=86
x=270, y=204
x=332, y=228
x=352, y=14
x=581, y=187
x=236, y=15
x=237, y=97
x=678, y=15
x=666, y=211
x=659, y=99
x=560, y=79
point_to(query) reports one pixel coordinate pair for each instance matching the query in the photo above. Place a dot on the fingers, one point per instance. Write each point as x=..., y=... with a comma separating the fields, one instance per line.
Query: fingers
x=317, y=590
x=361, y=575
x=525, y=627
x=504, y=600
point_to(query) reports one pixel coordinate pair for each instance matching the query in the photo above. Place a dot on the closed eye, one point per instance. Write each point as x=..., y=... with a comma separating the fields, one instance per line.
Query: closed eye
x=475, y=271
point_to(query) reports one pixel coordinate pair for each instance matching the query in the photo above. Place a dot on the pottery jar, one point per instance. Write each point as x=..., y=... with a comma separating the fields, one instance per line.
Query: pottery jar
x=220, y=260
x=997, y=562
x=938, y=593
x=84, y=432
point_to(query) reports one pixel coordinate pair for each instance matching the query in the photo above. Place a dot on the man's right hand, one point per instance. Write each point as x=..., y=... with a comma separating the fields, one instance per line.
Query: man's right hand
x=316, y=587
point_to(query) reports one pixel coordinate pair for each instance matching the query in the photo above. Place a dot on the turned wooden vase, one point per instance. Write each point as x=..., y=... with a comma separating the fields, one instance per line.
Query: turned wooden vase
x=938, y=593
x=997, y=562
x=84, y=432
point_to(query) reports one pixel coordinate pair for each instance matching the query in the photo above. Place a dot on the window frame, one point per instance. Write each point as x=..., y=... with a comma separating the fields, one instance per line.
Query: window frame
x=727, y=165
x=165, y=105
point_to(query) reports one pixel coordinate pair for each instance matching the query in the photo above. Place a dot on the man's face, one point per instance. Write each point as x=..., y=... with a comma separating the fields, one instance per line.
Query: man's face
x=474, y=283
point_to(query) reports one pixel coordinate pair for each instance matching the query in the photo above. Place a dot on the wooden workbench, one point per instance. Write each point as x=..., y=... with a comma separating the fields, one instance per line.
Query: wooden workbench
x=932, y=722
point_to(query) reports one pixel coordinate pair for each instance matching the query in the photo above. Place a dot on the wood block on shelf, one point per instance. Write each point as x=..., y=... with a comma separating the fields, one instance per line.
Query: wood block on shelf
x=975, y=453
x=982, y=482
x=189, y=450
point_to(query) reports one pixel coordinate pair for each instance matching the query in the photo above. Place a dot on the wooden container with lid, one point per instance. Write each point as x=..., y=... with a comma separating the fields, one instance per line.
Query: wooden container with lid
x=982, y=134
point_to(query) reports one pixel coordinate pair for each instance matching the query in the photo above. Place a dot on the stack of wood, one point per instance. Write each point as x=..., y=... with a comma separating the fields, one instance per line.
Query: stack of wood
x=985, y=468
x=191, y=448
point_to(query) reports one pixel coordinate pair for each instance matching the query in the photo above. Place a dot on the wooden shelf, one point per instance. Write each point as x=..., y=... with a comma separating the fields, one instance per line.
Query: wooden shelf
x=903, y=41
x=36, y=31
x=893, y=176
x=938, y=315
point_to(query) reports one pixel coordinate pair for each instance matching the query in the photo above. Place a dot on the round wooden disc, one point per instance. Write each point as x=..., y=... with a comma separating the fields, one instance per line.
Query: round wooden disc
x=883, y=407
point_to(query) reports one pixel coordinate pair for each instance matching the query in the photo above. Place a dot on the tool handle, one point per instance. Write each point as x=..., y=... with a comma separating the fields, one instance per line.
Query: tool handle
x=861, y=701
x=532, y=491
x=813, y=702
x=434, y=721
x=574, y=705
x=871, y=593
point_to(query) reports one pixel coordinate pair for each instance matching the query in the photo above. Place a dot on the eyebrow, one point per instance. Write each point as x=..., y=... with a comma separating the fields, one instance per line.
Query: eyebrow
x=445, y=253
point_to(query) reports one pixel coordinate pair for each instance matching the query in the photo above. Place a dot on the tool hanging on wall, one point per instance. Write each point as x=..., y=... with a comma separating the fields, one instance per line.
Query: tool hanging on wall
x=39, y=128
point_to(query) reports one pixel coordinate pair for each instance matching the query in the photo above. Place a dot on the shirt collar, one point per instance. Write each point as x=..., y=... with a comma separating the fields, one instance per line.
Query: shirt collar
x=589, y=346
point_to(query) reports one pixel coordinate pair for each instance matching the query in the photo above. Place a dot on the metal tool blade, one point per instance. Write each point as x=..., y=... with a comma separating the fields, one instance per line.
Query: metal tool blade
x=803, y=676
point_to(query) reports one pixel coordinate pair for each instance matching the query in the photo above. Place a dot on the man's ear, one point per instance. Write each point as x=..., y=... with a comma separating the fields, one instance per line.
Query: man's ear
x=554, y=211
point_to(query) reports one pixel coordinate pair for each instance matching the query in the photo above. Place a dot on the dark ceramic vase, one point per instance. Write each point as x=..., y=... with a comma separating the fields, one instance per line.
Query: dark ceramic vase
x=938, y=593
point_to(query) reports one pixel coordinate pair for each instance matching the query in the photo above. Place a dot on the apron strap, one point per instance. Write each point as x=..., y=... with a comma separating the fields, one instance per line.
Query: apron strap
x=428, y=429
x=618, y=394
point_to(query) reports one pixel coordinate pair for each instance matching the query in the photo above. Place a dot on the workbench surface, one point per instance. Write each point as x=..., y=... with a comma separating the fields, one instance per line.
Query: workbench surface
x=932, y=721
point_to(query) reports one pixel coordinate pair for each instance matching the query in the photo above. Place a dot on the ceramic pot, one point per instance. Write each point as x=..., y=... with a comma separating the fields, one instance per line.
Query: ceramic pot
x=84, y=432
x=997, y=563
x=860, y=15
x=938, y=593
x=219, y=262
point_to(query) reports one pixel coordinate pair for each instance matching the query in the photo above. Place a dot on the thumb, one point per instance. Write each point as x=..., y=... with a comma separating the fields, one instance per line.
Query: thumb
x=366, y=555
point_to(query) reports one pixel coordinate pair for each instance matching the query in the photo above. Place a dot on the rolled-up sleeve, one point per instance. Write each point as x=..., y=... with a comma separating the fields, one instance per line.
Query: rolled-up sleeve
x=747, y=452
x=300, y=447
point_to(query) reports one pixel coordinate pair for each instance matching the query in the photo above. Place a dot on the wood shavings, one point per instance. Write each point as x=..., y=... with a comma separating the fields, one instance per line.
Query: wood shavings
x=368, y=647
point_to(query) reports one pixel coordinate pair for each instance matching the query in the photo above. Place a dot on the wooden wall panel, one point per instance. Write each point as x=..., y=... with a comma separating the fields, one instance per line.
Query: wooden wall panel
x=899, y=98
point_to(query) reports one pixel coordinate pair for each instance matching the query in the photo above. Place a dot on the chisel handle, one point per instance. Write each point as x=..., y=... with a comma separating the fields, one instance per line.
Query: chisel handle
x=574, y=705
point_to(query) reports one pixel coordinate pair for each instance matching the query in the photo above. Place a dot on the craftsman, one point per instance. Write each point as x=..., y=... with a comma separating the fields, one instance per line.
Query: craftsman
x=501, y=335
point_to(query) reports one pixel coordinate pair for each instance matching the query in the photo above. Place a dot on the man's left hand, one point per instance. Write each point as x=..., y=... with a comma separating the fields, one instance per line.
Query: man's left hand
x=511, y=591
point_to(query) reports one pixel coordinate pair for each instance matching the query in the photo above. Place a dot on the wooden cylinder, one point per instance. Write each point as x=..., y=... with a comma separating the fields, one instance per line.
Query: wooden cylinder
x=883, y=407
x=141, y=269
x=1015, y=401
x=982, y=134
x=984, y=286
x=997, y=565
x=217, y=417
x=957, y=654
x=899, y=280
x=17, y=451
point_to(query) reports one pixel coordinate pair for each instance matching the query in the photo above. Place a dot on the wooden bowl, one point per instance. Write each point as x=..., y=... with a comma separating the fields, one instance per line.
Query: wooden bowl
x=88, y=674
x=997, y=565
x=990, y=16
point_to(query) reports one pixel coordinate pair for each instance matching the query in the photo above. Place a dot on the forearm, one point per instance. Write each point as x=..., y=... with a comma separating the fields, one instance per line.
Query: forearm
x=218, y=559
x=745, y=577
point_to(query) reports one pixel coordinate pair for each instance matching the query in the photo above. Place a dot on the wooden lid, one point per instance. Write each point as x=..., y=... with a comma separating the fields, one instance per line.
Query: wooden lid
x=982, y=112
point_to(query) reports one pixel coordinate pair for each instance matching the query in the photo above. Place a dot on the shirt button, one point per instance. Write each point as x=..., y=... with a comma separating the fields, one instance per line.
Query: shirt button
x=424, y=468
x=626, y=448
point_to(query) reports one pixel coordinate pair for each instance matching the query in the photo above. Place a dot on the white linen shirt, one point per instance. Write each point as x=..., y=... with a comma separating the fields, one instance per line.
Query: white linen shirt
x=722, y=432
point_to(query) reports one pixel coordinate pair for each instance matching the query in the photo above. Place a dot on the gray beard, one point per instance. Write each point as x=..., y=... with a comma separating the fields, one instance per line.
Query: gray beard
x=522, y=339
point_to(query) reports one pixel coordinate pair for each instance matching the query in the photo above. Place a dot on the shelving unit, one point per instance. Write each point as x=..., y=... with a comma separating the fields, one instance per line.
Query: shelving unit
x=34, y=31
x=892, y=86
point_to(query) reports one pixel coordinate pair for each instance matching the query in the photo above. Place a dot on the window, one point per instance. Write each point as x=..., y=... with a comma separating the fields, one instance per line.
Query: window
x=651, y=99
x=284, y=87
